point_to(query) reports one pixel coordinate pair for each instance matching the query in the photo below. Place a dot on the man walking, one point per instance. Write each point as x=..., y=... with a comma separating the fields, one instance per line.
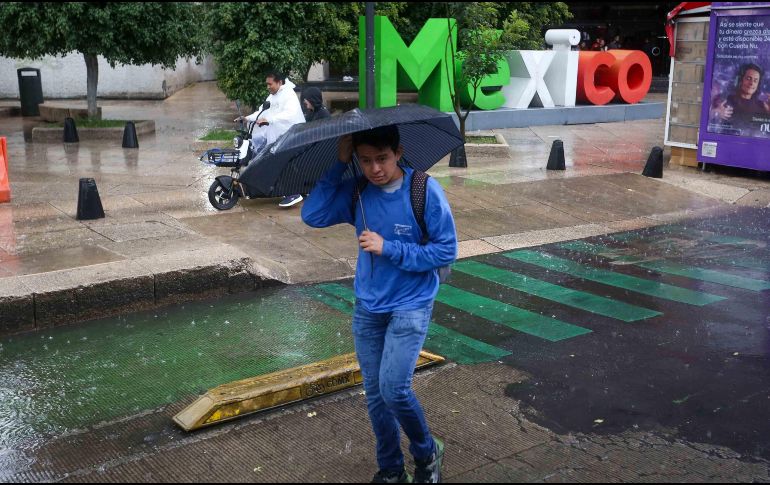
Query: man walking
x=396, y=283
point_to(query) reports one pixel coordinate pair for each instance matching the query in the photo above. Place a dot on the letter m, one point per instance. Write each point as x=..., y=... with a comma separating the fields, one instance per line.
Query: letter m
x=421, y=66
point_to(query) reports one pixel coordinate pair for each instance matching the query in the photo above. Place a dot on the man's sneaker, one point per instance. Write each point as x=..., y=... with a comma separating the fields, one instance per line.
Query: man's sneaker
x=392, y=477
x=429, y=471
x=290, y=200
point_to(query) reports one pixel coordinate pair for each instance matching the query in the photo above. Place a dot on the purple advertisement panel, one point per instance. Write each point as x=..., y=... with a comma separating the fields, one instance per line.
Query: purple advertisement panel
x=735, y=122
x=740, y=90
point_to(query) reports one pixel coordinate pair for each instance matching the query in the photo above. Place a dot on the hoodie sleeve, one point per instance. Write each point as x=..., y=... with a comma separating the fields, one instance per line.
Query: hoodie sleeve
x=441, y=248
x=330, y=201
x=253, y=116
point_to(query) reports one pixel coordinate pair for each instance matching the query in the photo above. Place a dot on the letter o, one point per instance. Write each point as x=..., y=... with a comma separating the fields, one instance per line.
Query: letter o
x=631, y=75
x=594, y=77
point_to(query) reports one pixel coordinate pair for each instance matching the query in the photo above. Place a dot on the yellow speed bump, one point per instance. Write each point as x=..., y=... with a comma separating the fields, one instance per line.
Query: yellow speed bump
x=239, y=398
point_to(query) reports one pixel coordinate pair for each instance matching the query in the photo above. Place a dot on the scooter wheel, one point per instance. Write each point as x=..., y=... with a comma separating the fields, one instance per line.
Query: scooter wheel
x=222, y=197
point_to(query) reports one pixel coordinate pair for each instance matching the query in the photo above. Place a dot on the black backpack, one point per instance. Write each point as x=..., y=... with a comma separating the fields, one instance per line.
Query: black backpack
x=417, y=192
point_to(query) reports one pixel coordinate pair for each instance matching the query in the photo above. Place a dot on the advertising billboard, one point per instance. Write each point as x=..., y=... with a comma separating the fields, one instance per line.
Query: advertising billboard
x=735, y=118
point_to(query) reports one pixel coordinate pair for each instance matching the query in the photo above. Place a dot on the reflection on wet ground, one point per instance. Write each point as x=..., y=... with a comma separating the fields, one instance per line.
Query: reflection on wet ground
x=667, y=326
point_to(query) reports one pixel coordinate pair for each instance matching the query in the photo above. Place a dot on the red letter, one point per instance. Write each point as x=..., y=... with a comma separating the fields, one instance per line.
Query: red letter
x=631, y=75
x=594, y=77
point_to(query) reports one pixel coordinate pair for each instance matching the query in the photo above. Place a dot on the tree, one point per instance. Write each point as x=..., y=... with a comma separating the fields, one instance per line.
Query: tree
x=248, y=39
x=123, y=33
x=486, y=32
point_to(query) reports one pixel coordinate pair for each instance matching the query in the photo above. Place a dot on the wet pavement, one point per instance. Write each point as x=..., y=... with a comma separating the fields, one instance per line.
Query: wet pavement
x=601, y=325
x=660, y=335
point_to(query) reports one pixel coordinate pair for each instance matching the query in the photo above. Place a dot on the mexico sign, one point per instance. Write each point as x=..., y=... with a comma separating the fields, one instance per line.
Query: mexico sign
x=525, y=78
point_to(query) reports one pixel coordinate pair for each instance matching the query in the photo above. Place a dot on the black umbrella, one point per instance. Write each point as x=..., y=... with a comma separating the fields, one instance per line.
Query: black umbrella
x=298, y=159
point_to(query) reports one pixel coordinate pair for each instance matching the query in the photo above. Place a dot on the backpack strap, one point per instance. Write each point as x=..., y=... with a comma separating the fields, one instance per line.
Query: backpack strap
x=418, y=195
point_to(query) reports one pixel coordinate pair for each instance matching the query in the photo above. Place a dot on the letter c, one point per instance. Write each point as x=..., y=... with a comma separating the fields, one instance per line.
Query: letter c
x=593, y=82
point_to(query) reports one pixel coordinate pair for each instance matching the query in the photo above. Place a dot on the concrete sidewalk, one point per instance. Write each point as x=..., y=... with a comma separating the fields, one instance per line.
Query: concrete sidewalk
x=162, y=242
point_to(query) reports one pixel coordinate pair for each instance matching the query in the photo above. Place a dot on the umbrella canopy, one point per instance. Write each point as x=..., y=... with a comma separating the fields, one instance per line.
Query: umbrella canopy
x=298, y=159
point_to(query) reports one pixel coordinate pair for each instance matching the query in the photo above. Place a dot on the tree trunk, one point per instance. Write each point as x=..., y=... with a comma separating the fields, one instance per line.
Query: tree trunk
x=462, y=126
x=92, y=78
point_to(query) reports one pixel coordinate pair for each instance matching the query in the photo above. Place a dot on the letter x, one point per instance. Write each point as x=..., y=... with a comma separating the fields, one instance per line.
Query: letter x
x=527, y=71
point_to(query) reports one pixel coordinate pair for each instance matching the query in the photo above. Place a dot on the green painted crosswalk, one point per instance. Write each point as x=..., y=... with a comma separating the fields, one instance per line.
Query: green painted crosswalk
x=566, y=296
x=444, y=341
x=709, y=275
x=611, y=278
x=518, y=319
x=661, y=266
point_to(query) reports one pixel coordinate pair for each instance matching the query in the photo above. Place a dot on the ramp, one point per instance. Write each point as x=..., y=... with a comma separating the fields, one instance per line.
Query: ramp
x=247, y=396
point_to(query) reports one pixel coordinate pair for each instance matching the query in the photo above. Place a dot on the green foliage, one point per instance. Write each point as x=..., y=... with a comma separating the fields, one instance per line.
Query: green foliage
x=531, y=20
x=123, y=33
x=249, y=39
x=219, y=134
x=96, y=123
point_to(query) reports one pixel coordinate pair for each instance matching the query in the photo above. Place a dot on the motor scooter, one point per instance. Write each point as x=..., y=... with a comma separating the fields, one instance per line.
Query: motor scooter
x=225, y=191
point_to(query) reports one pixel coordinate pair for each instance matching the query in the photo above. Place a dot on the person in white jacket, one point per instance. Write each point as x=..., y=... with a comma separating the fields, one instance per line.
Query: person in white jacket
x=284, y=112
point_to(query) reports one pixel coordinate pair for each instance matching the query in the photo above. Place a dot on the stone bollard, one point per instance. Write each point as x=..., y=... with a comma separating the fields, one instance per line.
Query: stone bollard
x=129, y=136
x=457, y=158
x=556, y=157
x=70, y=131
x=654, y=166
x=89, y=203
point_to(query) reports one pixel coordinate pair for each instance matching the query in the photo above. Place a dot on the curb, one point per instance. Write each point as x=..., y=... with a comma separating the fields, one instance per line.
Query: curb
x=46, y=300
x=490, y=150
x=49, y=135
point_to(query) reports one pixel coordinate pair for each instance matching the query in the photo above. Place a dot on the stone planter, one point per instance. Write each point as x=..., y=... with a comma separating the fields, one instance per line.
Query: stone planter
x=56, y=113
x=487, y=150
x=49, y=135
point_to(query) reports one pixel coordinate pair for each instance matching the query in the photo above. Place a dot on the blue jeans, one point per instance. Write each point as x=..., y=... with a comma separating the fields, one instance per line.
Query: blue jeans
x=387, y=346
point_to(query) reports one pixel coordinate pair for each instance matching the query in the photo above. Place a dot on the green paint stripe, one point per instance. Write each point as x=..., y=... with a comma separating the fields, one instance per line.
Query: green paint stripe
x=709, y=275
x=327, y=300
x=574, y=298
x=745, y=262
x=442, y=340
x=604, y=251
x=693, y=272
x=632, y=283
x=461, y=348
x=732, y=240
x=339, y=291
x=516, y=318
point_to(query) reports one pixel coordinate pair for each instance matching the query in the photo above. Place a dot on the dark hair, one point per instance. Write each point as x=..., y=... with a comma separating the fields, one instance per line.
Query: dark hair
x=742, y=72
x=276, y=75
x=382, y=137
x=746, y=67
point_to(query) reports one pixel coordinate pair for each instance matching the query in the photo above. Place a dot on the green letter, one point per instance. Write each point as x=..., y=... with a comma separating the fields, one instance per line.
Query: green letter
x=486, y=101
x=421, y=66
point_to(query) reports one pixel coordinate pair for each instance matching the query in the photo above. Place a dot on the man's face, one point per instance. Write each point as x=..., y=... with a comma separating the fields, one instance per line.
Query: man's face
x=749, y=83
x=380, y=165
x=273, y=85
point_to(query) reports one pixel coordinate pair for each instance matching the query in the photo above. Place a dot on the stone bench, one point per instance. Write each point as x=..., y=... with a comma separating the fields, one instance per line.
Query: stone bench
x=57, y=112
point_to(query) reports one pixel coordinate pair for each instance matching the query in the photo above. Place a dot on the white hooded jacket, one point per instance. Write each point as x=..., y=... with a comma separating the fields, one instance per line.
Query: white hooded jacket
x=284, y=112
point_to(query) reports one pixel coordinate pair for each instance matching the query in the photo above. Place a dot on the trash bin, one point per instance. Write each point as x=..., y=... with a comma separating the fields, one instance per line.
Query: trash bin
x=30, y=90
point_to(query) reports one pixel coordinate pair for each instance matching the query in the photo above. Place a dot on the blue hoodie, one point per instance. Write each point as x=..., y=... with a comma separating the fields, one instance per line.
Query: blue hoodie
x=405, y=277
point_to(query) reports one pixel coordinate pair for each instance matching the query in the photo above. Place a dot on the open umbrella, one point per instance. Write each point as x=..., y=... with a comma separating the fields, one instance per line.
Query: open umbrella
x=298, y=159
